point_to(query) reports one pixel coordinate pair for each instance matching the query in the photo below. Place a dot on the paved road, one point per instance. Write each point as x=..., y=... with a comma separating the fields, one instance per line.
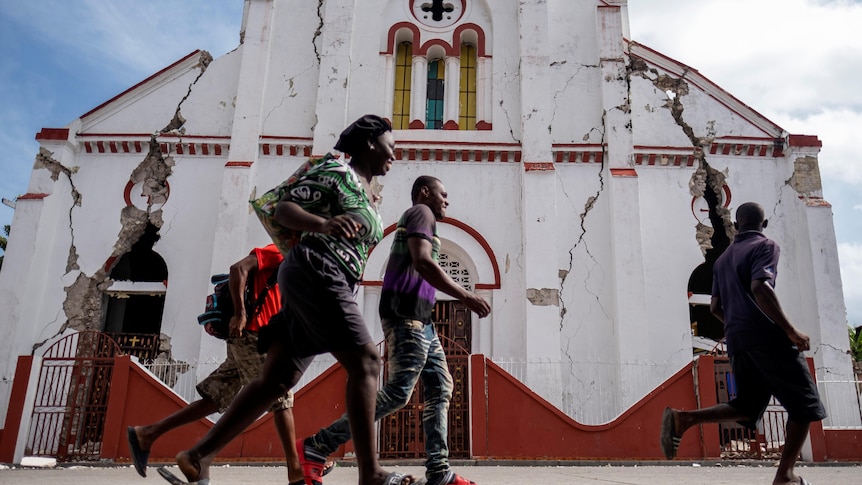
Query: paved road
x=568, y=474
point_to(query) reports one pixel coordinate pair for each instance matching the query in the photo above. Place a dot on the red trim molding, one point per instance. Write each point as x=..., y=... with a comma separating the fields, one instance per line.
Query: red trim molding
x=393, y=32
x=804, y=141
x=145, y=81
x=538, y=167
x=624, y=172
x=475, y=235
x=815, y=201
x=32, y=196
x=53, y=134
x=452, y=48
x=239, y=164
x=480, y=34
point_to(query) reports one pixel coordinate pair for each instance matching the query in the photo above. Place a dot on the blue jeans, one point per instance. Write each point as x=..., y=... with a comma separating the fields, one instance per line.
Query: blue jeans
x=414, y=352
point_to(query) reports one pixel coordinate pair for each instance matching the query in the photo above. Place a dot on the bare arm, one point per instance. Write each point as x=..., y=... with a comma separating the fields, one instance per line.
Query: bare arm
x=239, y=274
x=420, y=253
x=290, y=214
x=767, y=300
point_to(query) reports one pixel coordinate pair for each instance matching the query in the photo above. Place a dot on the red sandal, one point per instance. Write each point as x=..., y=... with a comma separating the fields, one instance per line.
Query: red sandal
x=312, y=462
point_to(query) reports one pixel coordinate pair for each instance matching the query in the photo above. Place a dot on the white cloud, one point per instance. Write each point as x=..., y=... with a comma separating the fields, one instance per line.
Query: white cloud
x=128, y=38
x=850, y=255
x=837, y=129
x=779, y=56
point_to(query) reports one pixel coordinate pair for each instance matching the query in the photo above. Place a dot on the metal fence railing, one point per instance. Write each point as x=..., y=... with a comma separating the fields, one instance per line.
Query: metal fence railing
x=843, y=402
x=182, y=377
x=591, y=393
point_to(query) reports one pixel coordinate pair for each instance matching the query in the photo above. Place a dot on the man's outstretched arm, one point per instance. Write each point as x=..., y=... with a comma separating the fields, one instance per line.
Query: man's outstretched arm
x=420, y=253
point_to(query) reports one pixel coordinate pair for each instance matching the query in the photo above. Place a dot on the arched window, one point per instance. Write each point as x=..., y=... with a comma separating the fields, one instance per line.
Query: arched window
x=456, y=270
x=467, y=101
x=434, y=98
x=403, y=78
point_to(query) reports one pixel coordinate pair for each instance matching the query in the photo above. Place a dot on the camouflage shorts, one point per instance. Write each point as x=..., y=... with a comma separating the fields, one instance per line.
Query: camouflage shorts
x=242, y=365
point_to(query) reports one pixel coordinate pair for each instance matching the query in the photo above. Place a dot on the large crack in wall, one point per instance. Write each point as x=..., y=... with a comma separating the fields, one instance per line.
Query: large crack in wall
x=319, y=31
x=706, y=181
x=84, y=302
x=46, y=160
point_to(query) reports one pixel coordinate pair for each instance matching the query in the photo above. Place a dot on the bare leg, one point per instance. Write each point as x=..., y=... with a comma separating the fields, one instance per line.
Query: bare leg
x=675, y=422
x=254, y=399
x=286, y=433
x=794, y=439
x=363, y=370
x=194, y=411
x=715, y=414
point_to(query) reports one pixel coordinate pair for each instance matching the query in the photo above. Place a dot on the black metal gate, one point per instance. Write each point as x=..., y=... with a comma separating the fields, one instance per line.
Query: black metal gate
x=401, y=434
x=72, y=397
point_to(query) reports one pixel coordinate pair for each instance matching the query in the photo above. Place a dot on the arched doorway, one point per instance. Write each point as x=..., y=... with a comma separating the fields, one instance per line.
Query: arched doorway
x=134, y=303
x=401, y=434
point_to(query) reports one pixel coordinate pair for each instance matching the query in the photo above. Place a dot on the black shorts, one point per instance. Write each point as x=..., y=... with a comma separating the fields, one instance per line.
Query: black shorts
x=319, y=304
x=774, y=371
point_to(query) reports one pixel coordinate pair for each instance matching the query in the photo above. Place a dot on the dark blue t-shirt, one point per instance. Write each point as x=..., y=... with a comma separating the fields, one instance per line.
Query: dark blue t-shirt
x=752, y=256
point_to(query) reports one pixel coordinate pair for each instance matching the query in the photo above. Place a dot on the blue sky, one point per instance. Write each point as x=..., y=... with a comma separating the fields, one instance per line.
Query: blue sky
x=796, y=62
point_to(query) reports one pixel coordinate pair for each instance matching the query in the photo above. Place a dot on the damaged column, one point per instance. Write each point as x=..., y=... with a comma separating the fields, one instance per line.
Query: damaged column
x=538, y=195
x=634, y=332
x=231, y=231
x=333, y=72
x=39, y=245
x=822, y=314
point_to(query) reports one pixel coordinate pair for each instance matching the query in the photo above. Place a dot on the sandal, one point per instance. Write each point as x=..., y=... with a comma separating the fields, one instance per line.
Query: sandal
x=175, y=480
x=451, y=478
x=459, y=480
x=139, y=456
x=326, y=469
x=312, y=462
x=396, y=478
x=669, y=440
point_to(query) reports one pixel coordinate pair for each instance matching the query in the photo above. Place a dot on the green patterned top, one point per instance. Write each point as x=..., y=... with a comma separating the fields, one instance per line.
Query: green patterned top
x=332, y=188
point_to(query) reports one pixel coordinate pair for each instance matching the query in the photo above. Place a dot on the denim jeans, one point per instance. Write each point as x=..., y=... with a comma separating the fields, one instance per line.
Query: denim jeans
x=414, y=352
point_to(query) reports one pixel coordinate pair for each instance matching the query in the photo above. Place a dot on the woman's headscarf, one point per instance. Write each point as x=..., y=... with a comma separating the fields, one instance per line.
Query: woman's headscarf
x=354, y=138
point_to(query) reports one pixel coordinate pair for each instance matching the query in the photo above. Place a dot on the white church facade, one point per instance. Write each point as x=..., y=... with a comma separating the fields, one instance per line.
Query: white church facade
x=592, y=182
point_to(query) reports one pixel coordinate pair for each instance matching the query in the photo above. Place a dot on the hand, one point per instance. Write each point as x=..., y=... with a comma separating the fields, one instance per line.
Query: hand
x=208, y=328
x=800, y=340
x=236, y=326
x=341, y=225
x=477, y=305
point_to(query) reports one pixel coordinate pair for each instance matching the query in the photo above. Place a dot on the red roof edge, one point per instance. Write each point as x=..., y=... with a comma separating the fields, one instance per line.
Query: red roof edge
x=97, y=108
x=804, y=141
x=53, y=134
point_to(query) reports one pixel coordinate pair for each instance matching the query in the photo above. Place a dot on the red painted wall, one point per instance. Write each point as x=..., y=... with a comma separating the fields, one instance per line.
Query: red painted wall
x=509, y=421
x=516, y=423
x=138, y=398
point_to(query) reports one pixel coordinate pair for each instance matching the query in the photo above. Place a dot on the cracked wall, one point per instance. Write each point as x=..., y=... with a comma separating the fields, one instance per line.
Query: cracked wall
x=84, y=303
x=706, y=182
x=806, y=177
x=544, y=296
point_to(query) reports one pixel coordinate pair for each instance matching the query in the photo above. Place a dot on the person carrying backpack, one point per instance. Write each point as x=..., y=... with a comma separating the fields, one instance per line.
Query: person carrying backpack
x=242, y=364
